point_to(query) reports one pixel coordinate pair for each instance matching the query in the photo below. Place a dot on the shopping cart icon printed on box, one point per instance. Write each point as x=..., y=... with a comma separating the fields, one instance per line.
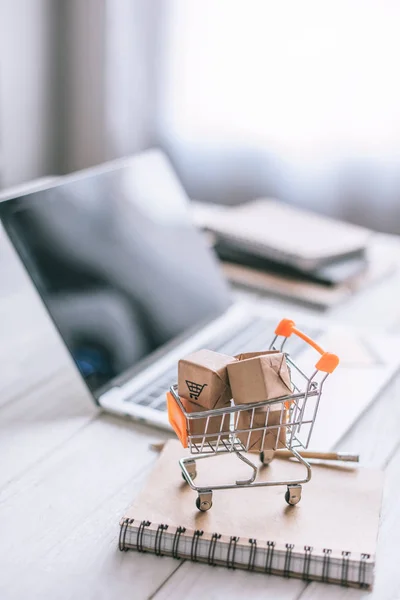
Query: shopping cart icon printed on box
x=195, y=389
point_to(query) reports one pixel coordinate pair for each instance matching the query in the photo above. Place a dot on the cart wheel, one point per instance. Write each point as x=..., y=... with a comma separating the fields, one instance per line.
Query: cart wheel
x=293, y=494
x=266, y=456
x=204, y=501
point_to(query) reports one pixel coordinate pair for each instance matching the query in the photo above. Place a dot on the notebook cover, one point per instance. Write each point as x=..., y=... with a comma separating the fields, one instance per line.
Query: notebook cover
x=339, y=509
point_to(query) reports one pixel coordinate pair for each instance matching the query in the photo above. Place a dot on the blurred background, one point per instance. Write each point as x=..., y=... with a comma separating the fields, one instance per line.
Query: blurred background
x=300, y=101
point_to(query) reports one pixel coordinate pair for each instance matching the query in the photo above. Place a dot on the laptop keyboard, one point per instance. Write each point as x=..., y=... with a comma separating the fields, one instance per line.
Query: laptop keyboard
x=253, y=336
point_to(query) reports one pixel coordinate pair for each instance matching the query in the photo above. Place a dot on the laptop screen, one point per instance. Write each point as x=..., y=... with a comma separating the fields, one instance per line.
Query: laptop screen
x=120, y=267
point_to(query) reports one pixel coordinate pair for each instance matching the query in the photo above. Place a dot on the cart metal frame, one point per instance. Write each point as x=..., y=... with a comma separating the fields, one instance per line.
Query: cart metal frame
x=298, y=413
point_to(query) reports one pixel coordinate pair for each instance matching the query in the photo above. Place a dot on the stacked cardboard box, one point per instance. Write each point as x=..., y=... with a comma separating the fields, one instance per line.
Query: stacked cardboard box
x=255, y=377
x=203, y=384
x=208, y=380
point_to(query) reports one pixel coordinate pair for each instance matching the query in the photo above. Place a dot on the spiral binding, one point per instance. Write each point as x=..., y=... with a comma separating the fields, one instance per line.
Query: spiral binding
x=307, y=562
x=231, y=562
x=122, y=534
x=345, y=568
x=270, y=556
x=326, y=564
x=157, y=544
x=252, y=557
x=211, y=551
x=288, y=560
x=195, y=542
x=175, y=543
x=139, y=541
x=362, y=570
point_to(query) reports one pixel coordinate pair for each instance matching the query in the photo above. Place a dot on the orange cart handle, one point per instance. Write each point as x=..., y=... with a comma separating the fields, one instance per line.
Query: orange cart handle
x=327, y=363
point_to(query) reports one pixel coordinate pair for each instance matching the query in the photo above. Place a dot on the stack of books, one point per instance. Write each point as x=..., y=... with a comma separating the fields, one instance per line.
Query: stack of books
x=293, y=252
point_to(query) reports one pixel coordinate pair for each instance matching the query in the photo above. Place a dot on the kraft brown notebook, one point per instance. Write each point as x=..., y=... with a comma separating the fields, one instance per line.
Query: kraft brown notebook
x=329, y=536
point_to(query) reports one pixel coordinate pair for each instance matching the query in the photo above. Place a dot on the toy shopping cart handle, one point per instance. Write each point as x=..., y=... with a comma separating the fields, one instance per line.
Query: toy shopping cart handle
x=327, y=363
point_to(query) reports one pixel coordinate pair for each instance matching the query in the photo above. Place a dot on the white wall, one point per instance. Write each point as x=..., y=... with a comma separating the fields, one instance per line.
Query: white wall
x=28, y=125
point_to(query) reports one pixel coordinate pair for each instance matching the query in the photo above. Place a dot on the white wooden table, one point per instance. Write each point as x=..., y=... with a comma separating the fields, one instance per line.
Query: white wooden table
x=67, y=473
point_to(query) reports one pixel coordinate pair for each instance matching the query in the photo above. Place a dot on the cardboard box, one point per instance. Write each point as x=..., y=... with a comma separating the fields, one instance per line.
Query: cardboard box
x=203, y=379
x=274, y=438
x=254, y=377
x=197, y=427
x=203, y=384
x=258, y=376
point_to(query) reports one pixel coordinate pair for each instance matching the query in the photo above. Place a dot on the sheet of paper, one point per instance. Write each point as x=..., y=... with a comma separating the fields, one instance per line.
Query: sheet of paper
x=366, y=361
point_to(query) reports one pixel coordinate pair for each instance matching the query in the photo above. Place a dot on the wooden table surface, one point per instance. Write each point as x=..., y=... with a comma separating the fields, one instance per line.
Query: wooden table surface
x=68, y=472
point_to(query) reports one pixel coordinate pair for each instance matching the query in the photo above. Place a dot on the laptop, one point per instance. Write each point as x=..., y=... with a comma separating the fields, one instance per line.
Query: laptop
x=132, y=286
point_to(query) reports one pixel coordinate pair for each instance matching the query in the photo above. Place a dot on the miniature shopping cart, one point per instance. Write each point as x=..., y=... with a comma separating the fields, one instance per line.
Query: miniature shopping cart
x=292, y=429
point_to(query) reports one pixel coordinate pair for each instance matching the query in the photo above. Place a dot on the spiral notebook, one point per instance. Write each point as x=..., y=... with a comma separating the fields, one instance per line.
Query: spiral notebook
x=329, y=536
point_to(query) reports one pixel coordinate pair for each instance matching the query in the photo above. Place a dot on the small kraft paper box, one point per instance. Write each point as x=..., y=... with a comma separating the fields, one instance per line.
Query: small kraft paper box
x=274, y=438
x=203, y=384
x=254, y=377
